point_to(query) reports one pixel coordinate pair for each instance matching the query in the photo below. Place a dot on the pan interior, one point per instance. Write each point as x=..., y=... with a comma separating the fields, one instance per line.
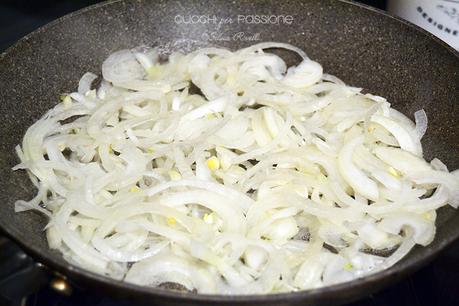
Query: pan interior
x=363, y=47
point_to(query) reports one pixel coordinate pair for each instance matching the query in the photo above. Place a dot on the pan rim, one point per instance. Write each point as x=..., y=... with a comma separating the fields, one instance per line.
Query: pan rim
x=396, y=271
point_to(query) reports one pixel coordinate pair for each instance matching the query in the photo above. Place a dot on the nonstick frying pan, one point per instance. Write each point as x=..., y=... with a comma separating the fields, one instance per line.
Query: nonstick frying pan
x=363, y=46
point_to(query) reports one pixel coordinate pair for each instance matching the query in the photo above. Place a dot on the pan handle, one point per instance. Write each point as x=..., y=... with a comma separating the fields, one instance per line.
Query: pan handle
x=20, y=275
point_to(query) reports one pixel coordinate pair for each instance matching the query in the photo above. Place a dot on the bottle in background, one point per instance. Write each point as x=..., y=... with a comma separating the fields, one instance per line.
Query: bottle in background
x=440, y=17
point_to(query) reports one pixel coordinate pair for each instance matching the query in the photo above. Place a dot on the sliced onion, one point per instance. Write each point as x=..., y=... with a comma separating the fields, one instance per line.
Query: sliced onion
x=227, y=173
x=122, y=66
x=85, y=82
x=421, y=123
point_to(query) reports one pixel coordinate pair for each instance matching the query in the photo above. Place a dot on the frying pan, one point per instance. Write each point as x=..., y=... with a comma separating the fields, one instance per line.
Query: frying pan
x=363, y=46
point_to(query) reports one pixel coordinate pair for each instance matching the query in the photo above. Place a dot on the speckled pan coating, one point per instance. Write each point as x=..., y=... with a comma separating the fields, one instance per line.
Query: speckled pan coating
x=362, y=46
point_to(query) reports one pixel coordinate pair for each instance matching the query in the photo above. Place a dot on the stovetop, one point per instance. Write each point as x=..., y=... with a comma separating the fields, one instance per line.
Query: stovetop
x=23, y=282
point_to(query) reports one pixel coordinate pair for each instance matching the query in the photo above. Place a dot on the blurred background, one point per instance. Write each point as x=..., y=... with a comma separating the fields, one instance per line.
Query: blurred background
x=20, y=284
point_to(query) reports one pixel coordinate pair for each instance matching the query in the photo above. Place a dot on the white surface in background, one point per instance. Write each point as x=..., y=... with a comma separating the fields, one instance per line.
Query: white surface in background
x=440, y=17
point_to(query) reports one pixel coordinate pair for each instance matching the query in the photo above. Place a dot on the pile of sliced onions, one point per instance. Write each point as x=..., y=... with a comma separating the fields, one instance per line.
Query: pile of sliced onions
x=228, y=173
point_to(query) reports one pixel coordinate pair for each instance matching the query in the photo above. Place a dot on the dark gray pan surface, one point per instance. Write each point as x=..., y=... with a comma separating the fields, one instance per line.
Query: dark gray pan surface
x=362, y=46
